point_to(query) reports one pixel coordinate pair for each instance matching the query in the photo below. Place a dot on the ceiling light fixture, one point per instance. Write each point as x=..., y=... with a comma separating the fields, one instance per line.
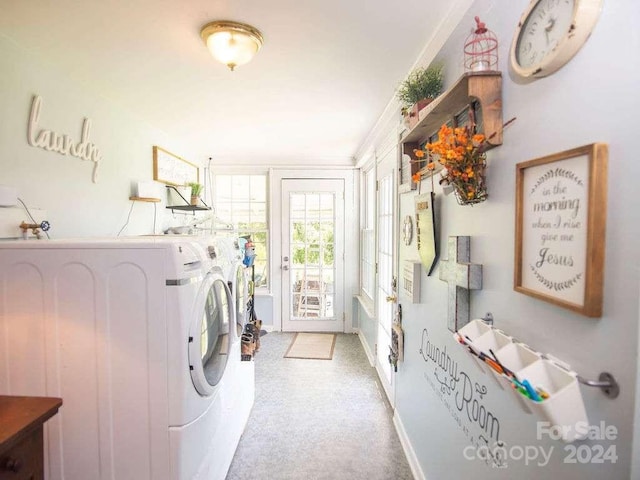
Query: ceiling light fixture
x=231, y=43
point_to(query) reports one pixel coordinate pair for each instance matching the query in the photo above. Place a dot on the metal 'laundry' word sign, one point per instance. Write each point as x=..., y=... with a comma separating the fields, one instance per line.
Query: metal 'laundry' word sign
x=63, y=144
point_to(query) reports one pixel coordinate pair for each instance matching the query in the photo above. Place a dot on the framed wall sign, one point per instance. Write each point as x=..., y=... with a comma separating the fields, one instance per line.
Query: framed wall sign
x=173, y=170
x=426, y=230
x=410, y=282
x=561, y=210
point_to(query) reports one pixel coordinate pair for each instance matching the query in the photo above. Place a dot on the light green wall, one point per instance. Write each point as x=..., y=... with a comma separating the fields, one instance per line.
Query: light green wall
x=592, y=99
x=62, y=185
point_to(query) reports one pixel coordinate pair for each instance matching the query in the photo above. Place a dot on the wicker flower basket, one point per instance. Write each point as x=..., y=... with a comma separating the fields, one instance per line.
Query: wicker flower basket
x=471, y=188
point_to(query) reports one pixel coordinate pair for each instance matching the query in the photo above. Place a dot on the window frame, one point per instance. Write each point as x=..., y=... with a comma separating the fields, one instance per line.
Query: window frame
x=236, y=230
x=367, y=260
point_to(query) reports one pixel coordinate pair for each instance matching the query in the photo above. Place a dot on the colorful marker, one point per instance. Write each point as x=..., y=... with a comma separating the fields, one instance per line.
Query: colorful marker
x=531, y=391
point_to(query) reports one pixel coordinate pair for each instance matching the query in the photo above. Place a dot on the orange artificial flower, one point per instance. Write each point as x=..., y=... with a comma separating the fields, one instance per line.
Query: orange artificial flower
x=462, y=154
x=478, y=138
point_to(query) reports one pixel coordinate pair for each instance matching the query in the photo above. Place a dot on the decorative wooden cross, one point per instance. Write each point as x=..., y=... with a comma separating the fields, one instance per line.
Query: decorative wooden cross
x=461, y=276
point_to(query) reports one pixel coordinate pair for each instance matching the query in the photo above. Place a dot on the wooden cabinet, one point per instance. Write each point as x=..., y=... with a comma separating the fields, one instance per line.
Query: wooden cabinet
x=21, y=442
x=480, y=89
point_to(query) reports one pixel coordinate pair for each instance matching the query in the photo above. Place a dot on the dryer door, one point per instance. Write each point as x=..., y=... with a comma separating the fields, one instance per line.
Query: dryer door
x=209, y=334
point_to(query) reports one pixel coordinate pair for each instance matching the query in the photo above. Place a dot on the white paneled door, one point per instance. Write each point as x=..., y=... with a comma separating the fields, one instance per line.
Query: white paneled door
x=386, y=297
x=312, y=260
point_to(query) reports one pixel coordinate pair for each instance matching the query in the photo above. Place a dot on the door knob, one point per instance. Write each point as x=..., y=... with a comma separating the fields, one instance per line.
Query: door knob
x=285, y=267
x=392, y=298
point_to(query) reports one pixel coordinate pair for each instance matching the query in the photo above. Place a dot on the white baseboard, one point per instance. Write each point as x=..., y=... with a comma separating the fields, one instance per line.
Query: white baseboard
x=367, y=350
x=418, y=474
x=268, y=328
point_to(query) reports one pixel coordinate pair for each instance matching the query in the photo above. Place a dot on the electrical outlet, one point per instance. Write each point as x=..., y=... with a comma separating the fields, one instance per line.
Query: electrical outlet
x=8, y=196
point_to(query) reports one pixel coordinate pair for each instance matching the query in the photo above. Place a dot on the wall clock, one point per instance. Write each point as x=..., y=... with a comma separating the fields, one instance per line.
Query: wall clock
x=407, y=230
x=550, y=33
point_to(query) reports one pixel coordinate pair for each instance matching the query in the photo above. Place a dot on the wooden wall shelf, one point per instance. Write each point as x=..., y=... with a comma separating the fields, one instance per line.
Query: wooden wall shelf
x=483, y=87
x=144, y=199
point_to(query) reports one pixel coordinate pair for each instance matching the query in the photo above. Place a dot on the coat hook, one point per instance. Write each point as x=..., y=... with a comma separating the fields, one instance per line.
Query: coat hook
x=606, y=382
x=488, y=318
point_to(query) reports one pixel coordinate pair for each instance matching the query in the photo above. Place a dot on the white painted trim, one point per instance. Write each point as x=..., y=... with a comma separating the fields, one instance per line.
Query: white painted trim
x=409, y=452
x=391, y=112
x=351, y=263
x=367, y=350
x=367, y=306
x=268, y=328
x=229, y=169
x=442, y=33
x=389, y=388
x=296, y=162
x=263, y=292
x=388, y=144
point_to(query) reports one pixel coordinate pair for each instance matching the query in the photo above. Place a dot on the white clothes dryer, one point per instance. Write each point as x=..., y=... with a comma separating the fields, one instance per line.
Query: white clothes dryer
x=201, y=349
x=225, y=254
x=223, y=251
x=239, y=286
x=134, y=335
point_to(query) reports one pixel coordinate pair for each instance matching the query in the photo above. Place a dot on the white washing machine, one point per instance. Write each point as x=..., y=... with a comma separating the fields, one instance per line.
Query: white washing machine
x=225, y=254
x=212, y=355
x=239, y=286
x=134, y=335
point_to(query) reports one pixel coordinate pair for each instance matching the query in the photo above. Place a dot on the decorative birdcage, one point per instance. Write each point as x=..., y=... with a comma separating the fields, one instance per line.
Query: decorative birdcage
x=481, y=49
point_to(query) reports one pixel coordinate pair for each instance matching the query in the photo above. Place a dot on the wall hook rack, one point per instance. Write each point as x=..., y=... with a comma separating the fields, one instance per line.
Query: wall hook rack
x=606, y=382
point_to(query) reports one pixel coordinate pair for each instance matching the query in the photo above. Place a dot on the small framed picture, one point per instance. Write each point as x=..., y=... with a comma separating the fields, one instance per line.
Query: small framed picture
x=173, y=170
x=561, y=213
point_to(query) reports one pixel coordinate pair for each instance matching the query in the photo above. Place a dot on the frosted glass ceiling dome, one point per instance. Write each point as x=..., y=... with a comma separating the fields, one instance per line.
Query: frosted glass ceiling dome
x=231, y=43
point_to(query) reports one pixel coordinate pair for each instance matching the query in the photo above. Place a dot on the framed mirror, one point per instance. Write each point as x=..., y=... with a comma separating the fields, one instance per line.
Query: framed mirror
x=173, y=170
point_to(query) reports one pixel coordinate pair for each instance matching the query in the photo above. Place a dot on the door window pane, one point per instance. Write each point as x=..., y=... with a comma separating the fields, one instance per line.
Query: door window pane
x=312, y=232
x=313, y=205
x=297, y=206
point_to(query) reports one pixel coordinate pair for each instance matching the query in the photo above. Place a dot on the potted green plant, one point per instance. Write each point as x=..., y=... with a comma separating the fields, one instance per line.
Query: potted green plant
x=196, y=190
x=419, y=89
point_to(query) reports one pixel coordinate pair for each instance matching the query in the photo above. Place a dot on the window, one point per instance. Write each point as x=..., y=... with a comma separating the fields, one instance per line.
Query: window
x=367, y=235
x=242, y=201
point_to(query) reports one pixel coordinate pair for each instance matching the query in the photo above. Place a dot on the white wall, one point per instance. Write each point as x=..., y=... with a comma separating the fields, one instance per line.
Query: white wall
x=592, y=99
x=62, y=185
x=635, y=453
